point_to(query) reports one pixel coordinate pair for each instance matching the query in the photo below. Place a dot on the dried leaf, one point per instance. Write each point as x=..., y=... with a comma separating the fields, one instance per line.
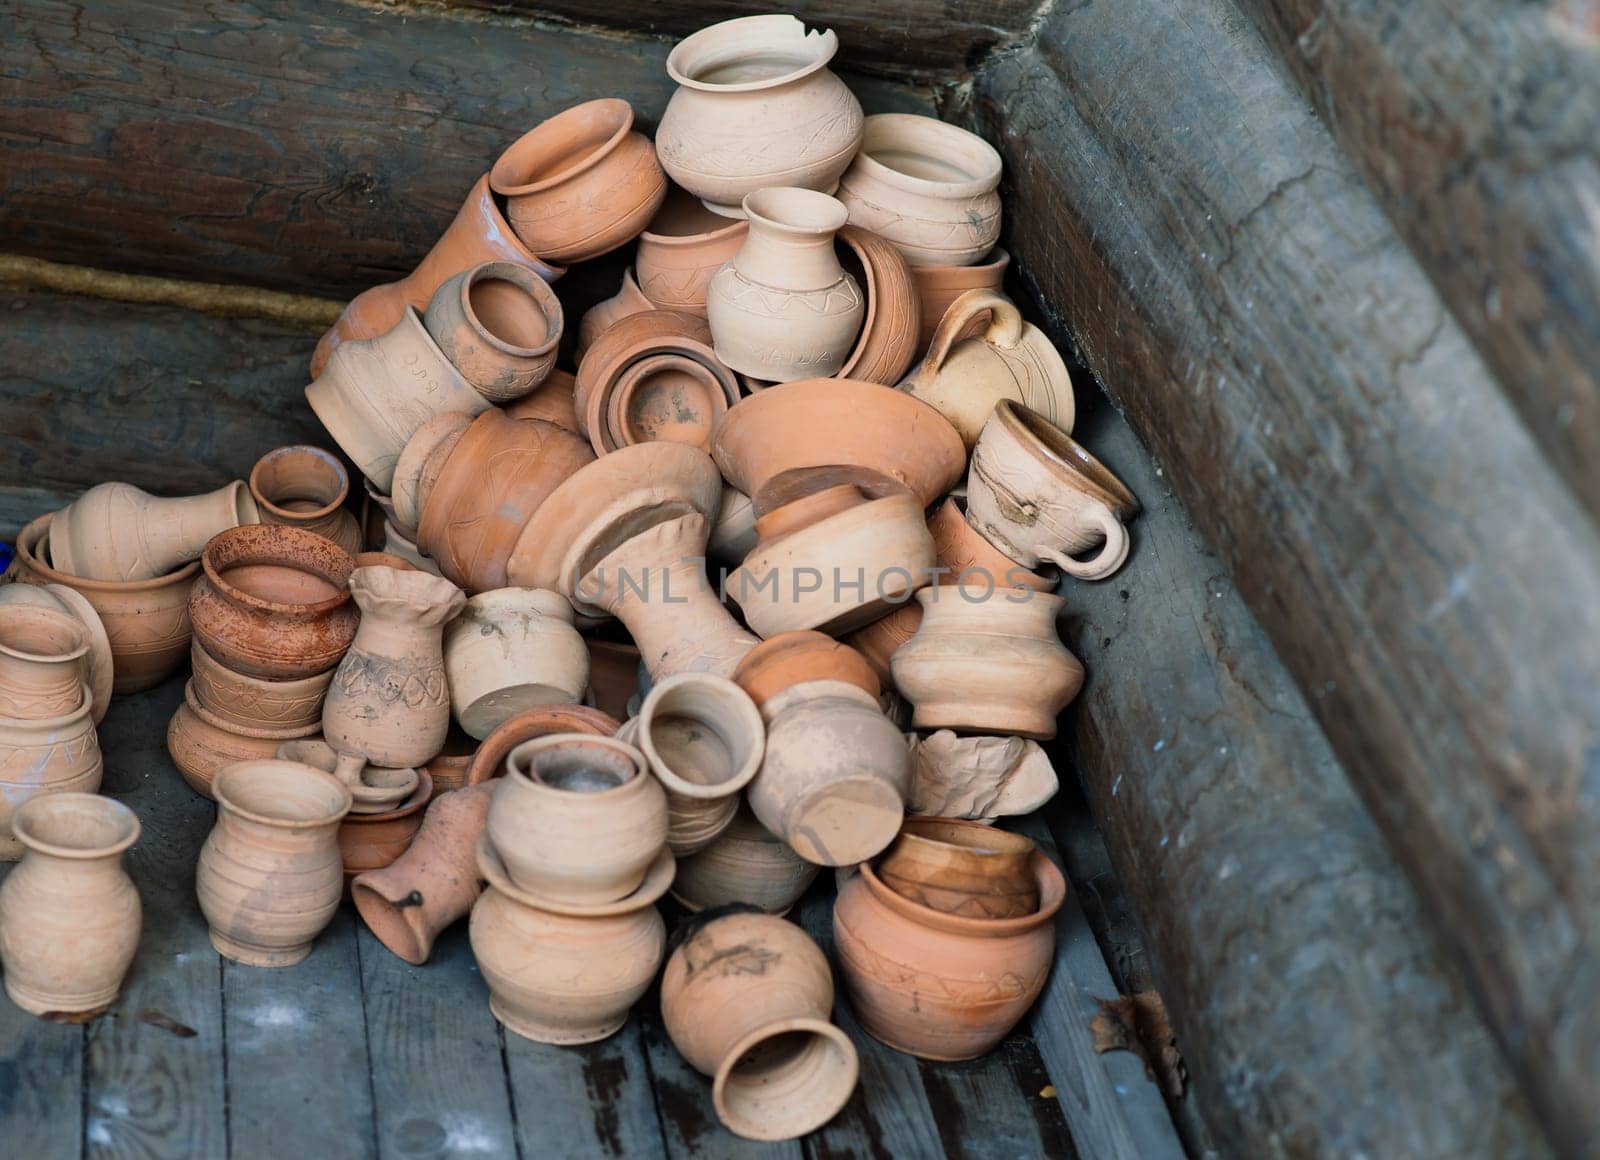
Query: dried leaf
x=1138, y=1023
x=167, y=1023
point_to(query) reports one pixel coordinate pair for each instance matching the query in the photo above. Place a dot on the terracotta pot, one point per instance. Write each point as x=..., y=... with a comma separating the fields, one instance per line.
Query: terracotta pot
x=887, y=343
x=269, y=876
x=746, y=999
x=274, y=602
x=991, y=665
x=685, y=245
x=792, y=658
x=565, y=975
x=237, y=700
x=928, y=186
x=1036, y=494
x=552, y=401
x=978, y=777
x=305, y=487
x=116, y=532
x=744, y=864
x=419, y=466
x=478, y=234
x=613, y=676
x=373, y=841
x=939, y=286
x=375, y=393
x=42, y=662
x=383, y=560
x=798, y=438
x=653, y=376
x=499, y=323
x=493, y=482
x=448, y=769
x=602, y=316
x=389, y=702
x=1011, y=359
x=510, y=650
x=409, y=902
x=961, y=867
x=581, y=183
x=545, y=721
x=395, y=544
x=98, y=662
x=833, y=561
x=756, y=107
x=201, y=743
x=942, y=986
x=69, y=914
x=655, y=583
x=734, y=533
x=45, y=755
x=577, y=818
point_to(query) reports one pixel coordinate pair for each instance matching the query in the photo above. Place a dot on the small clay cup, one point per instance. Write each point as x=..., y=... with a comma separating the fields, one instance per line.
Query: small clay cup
x=306, y=487
x=962, y=867
x=500, y=324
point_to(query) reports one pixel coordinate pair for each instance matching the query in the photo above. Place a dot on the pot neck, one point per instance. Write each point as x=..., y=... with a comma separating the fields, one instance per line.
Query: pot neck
x=83, y=869
x=807, y=692
x=286, y=836
x=792, y=258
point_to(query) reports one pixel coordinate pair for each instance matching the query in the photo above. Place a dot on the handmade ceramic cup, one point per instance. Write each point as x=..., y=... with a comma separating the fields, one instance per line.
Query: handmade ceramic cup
x=305, y=487
x=499, y=323
x=45, y=755
x=116, y=532
x=98, y=662
x=512, y=649
x=962, y=867
x=42, y=661
x=685, y=245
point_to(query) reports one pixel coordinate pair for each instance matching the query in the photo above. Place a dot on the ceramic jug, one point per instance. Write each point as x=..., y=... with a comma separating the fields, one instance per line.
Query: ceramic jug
x=116, y=532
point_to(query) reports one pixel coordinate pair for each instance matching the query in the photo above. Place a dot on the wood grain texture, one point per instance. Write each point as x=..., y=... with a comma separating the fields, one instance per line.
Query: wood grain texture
x=1477, y=125
x=603, y=1089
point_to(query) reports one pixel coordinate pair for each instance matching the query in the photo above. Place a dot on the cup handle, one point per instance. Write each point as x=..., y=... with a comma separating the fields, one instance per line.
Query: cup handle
x=1104, y=562
x=1005, y=329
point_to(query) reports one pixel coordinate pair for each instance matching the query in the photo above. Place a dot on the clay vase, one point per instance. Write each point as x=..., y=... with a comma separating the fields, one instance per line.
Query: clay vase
x=478, y=234
x=746, y=999
x=373, y=841
x=408, y=903
x=1036, y=494
x=492, y=483
x=1011, y=359
x=992, y=665
x=683, y=247
x=942, y=986
x=744, y=864
x=703, y=738
x=783, y=308
x=552, y=401
x=45, y=755
x=793, y=658
x=510, y=650
x=578, y=819
x=42, y=662
x=389, y=701
x=602, y=316
x=240, y=701
x=269, y=876
x=887, y=344
x=961, y=867
x=939, y=286
x=420, y=464
x=490, y=759
x=798, y=438
x=274, y=602
x=756, y=107
x=559, y=973
x=499, y=323
x=734, y=533
x=581, y=183
x=613, y=676
x=375, y=393
x=116, y=532
x=928, y=186
x=69, y=914
x=833, y=561
x=98, y=662
x=202, y=742
x=978, y=777
x=305, y=487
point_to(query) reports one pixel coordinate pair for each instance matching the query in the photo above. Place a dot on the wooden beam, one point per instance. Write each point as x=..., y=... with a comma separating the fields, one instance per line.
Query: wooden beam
x=1430, y=584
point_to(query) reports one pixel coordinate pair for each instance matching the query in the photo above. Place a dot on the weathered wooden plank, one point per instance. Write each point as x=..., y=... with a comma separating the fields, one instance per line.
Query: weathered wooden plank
x=587, y=1101
x=1475, y=123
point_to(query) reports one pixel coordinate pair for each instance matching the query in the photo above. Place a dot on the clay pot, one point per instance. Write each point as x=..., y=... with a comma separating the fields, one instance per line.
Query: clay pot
x=685, y=245
x=42, y=756
x=978, y=777
x=793, y=658
x=269, y=876
x=419, y=466
x=117, y=533
x=305, y=487
x=961, y=867
x=477, y=234
x=376, y=790
x=939, y=286
x=448, y=769
x=942, y=986
x=577, y=818
x=756, y=107
x=499, y=323
x=653, y=377
x=383, y=560
x=928, y=186
x=201, y=743
x=373, y=841
x=552, y=401
x=274, y=602
x=581, y=183
x=240, y=701
x=389, y=701
x=69, y=914
x=744, y=864
x=887, y=343
x=409, y=902
x=734, y=533
x=98, y=662
x=42, y=655
x=746, y=999
x=602, y=316
x=375, y=393
x=798, y=438
x=833, y=561
x=989, y=665
x=492, y=483
x=1036, y=494
x=613, y=676
x=545, y=721
x=1011, y=359
x=565, y=974
x=510, y=650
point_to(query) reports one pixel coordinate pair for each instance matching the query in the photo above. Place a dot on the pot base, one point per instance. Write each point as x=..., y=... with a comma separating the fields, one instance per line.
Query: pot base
x=970, y=717
x=254, y=956
x=847, y=823
x=489, y=711
x=61, y=1008
x=562, y=1036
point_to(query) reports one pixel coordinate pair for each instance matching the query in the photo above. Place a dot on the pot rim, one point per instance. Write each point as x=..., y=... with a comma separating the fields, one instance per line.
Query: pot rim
x=534, y=286
x=737, y=702
x=525, y=778
x=1064, y=456
x=652, y=237
x=305, y=539
x=277, y=766
x=50, y=724
x=620, y=109
x=845, y=1087
x=1047, y=876
x=821, y=44
x=489, y=758
x=80, y=634
x=793, y=209
x=419, y=800
x=930, y=137
x=930, y=597
x=632, y=378
x=116, y=812
x=657, y=879
x=37, y=532
x=1010, y=844
x=303, y=450
x=996, y=259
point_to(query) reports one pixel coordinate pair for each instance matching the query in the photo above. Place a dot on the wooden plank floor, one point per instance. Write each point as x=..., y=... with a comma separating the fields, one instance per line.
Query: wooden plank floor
x=354, y=1053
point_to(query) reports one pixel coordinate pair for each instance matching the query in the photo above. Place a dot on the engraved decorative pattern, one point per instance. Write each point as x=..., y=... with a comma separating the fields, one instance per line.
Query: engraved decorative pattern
x=390, y=682
x=901, y=976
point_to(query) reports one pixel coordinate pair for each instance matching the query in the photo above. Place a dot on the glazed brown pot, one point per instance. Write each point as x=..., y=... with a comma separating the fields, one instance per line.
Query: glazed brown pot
x=305, y=487
x=490, y=759
x=683, y=247
x=939, y=286
x=499, y=323
x=274, y=602
x=962, y=867
x=373, y=841
x=581, y=183
x=553, y=401
x=891, y=330
x=744, y=864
